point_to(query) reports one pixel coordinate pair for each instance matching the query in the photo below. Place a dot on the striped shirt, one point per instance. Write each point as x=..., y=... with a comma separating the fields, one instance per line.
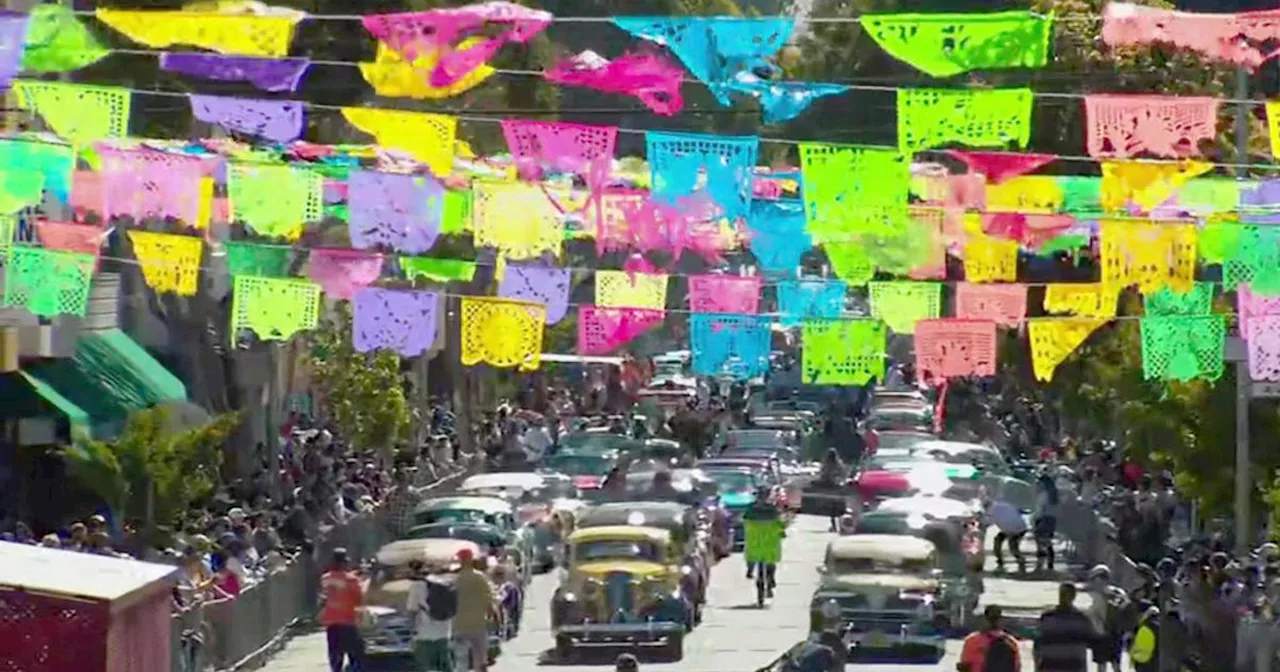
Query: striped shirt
x=1062, y=645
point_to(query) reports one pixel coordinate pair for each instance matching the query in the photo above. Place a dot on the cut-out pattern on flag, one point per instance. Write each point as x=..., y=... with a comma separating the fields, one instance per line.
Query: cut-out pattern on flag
x=800, y=300
x=853, y=190
x=1183, y=348
x=1038, y=194
x=169, y=263
x=341, y=272
x=902, y=305
x=142, y=183
x=265, y=74
x=1252, y=256
x=778, y=236
x=942, y=45
x=48, y=283
x=716, y=49
x=622, y=289
x=737, y=346
x=538, y=284
x=650, y=78
x=988, y=259
x=1233, y=38
x=784, y=101
x=451, y=33
x=1081, y=299
x=730, y=294
x=78, y=112
x=998, y=167
x=437, y=270
x=275, y=120
x=56, y=41
x=1250, y=305
x=680, y=162
x=1053, y=339
x=268, y=261
x=67, y=237
x=843, y=352
x=502, y=333
x=429, y=138
x=938, y=229
x=546, y=147
x=274, y=309
x=603, y=330
x=400, y=211
x=392, y=76
x=630, y=221
x=400, y=321
x=20, y=189
x=951, y=348
x=1166, y=302
x=273, y=200
x=1006, y=305
x=225, y=33
x=1129, y=125
x=850, y=262
x=1263, y=340
x=1144, y=184
x=973, y=117
x=55, y=162
x=517, y=219
x=1150, y=255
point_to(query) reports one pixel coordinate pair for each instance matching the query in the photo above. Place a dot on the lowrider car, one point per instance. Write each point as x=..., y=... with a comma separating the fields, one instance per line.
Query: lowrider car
x=689, y=547
x=889, y=594
x=495, y=511
x=620, y=589
x=390, y=628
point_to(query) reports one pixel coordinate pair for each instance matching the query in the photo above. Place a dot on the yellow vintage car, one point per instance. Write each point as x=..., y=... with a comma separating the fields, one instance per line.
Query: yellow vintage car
x=621, y=588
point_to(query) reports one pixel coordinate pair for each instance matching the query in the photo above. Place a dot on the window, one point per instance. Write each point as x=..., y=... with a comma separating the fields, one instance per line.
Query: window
x=589, y=551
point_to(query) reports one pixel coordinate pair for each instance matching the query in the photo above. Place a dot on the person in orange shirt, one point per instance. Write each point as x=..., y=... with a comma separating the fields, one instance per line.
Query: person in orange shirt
x=990, y=649
x=343, y=596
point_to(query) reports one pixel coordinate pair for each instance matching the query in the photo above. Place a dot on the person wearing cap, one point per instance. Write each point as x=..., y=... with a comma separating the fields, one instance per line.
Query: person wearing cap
x=343, y=597
x=973, y=654
x=475, y=607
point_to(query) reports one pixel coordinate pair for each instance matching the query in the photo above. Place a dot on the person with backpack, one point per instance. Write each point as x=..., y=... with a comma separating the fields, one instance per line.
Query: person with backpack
x=433, y=604
x=1145, y=642
x=990, y=649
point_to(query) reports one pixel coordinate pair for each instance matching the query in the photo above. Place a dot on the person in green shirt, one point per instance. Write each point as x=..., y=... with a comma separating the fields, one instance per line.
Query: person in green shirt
x=764, y=529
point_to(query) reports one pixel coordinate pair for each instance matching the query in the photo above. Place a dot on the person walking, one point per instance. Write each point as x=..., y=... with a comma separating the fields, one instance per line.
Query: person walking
x=343, y=597
x=1064, y=637
x=1046, y=521
x=1011, y=527
x=990, y=649
x=1146, y=638
x=475, y=607
x=433, y=605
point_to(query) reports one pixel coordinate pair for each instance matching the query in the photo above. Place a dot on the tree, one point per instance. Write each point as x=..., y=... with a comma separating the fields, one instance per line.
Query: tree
x=153, y=470
x=361, y=393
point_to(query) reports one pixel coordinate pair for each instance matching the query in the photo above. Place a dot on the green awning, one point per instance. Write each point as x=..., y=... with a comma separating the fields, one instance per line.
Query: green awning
x=109, y=377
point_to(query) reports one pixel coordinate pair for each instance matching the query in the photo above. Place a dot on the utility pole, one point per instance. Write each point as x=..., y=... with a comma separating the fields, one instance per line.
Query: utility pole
x=1244, y=477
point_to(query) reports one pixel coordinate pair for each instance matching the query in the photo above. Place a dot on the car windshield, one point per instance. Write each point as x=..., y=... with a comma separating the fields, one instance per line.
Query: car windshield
x=882, y=525
x=755, y=438
x=616, y=549
x=895, y=440
x=484, y=538
x=454, y=516
x=734, y=481
x=870, y=566
x=579, y=465
x=591, y=441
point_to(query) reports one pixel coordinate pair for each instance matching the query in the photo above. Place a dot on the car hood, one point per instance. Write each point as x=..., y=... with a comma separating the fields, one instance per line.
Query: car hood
x=737, y=499
x=879, y=582
x=587, y=482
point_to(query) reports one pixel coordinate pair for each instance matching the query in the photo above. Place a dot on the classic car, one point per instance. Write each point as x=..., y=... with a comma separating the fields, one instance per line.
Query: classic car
x=959, y=558
x=889, y=592
x=794, y=474
x=881, y=396
x=495, y=511
x=586, y=469
x=390, y=627
x=532, y=495
x=758, y=438
x=666, y=452
x=986, y=457
x=899, y=417
x=690, y=545
x=891, y=439
x=738, y=488
x=620, y=588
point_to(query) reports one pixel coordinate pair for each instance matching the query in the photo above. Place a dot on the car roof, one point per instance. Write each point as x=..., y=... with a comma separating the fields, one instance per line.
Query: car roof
x=953, y=447
x=938, y=507
x=404, y=551
x=882, y=547
x=523, y=480
x=605, y=532
x=485, y=504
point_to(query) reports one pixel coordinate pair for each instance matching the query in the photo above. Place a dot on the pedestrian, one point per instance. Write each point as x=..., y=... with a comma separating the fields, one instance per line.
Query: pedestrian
x=475, y=606
x=1046, y=521
x=990, y=649
x=1142, y=650
x=1107, y=606
x=1011, y=527
x=343, y=597
x=1064, y=636
x=434, y=605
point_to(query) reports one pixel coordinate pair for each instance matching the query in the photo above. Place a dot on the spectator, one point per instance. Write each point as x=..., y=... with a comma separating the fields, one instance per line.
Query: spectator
x=991, y=649
x=400, y=503
x=343, y=596
x=1107, y=604
x=1011, y=528
x=1064, y=637
x=1046, y=521
x=79, y=535
x=1142, y=650
x=195, y=581
x=225, y=580
x=51, y=541
x=434, y=606
x=475, y=607
x=22, y=534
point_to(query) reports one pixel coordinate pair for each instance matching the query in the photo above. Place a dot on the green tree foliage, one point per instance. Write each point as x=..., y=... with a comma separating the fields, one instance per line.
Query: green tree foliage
x=361, y=393
x=153, y=470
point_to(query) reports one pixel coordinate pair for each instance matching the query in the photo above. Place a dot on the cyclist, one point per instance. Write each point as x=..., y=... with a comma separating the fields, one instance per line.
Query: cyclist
x=764, y=529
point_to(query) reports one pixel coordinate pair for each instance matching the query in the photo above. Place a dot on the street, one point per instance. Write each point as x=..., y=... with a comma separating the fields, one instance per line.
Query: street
x=735, y=635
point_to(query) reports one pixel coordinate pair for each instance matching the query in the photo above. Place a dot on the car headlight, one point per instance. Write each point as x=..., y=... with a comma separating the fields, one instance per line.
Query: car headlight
x=686, y=570
x=568, y=597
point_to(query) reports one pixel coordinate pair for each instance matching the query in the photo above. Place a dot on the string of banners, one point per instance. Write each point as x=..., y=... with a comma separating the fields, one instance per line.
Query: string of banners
x=1151, y=224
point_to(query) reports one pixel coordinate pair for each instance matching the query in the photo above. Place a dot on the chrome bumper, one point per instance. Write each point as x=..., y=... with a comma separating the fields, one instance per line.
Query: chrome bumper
x=886, y=640
x=605, y=634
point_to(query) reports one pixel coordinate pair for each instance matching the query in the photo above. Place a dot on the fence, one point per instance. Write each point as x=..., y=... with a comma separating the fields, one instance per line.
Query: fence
x=239, y=633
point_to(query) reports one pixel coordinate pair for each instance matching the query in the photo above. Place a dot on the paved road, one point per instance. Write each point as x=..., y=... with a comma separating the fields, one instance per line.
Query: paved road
x=734, y=637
